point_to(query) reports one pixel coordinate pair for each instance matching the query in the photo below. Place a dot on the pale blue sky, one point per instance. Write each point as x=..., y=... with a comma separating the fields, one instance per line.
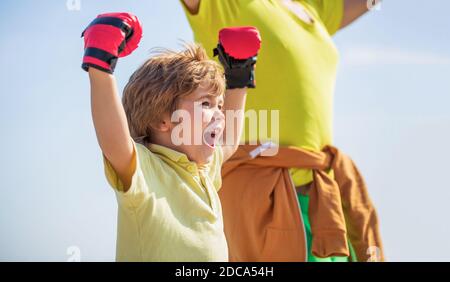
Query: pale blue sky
x=391, y=116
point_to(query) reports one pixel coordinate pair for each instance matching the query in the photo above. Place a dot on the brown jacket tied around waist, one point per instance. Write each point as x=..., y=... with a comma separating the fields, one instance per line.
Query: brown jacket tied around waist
x=262, y=219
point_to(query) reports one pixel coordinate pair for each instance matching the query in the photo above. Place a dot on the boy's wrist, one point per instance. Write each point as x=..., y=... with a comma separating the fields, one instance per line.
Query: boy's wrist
x=236, y=91
x=98, y=74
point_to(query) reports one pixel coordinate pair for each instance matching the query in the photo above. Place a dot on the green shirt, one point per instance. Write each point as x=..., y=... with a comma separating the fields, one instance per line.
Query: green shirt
x=296, y=69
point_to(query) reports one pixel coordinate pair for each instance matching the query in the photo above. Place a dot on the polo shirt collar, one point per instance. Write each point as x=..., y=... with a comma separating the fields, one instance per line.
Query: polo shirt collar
x=173, y=155
x=177, y=157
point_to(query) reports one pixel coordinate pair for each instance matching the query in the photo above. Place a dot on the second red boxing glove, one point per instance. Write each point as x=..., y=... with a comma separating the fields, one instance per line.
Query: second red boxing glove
x=109, y=37
x=237, y=50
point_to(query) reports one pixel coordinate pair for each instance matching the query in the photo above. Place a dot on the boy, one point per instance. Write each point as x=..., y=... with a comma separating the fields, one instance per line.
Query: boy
x=169, y=209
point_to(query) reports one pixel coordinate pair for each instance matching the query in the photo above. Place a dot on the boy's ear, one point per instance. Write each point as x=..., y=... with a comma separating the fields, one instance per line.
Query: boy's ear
x=164, y=124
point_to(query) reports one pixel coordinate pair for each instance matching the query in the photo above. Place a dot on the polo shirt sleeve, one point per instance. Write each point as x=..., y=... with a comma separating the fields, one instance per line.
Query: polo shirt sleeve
x=138, y=191
x=330, y=12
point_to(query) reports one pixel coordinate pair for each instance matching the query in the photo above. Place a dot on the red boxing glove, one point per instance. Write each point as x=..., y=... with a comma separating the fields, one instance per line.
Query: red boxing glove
x=109, y=37
x=237, y=50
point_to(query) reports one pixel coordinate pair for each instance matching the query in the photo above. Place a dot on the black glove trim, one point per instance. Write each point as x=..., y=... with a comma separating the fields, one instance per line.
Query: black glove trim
x=102, y=55
x=238, y=73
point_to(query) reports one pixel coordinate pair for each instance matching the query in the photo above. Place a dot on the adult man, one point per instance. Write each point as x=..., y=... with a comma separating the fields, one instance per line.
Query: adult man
x=297, y=77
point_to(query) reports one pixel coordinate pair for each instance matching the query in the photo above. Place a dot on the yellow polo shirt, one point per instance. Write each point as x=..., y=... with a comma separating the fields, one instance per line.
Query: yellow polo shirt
x=172, y=211
x=296, y=69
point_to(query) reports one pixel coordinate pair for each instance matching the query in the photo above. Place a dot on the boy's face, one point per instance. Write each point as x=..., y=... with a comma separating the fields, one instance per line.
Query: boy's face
x=203, y=129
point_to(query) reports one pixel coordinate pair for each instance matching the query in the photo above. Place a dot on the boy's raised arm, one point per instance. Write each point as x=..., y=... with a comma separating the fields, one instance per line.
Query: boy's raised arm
x=111, y=125
x=234, y=106
x=237, y=50
x=108, y=37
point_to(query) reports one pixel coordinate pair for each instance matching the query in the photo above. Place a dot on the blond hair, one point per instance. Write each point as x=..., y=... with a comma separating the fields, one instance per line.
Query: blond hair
x=155, y=88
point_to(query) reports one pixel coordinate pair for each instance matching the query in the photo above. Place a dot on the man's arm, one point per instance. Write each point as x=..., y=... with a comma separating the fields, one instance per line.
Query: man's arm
x=111, y=125
x=234, y=101
x=192, y=6
x=353, y=9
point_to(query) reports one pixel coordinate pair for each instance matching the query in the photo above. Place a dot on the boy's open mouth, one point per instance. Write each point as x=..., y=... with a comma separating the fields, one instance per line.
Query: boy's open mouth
x=210, y=137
